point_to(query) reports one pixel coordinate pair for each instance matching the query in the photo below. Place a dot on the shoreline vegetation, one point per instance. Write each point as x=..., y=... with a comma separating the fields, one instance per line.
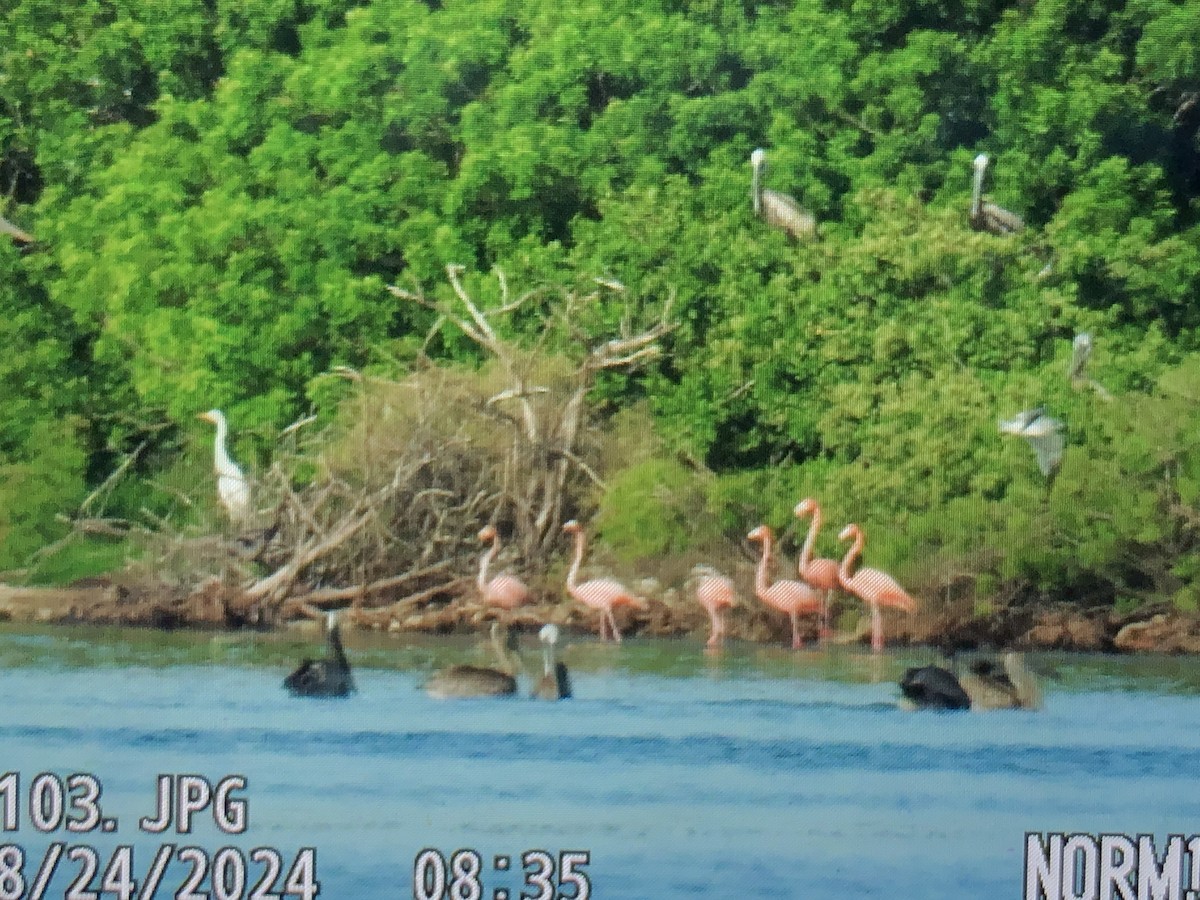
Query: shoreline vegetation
x=670, y=613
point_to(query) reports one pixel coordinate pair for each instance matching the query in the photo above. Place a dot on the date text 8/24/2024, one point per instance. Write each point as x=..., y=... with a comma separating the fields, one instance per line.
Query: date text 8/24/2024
x=52, y=803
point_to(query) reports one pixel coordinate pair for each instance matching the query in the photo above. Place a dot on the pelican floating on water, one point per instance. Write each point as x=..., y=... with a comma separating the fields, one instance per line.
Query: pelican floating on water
x=555, y=683
x=987, y=685
x=1006, y=685
x=329, y=677
x=932, y=687
x=479, y=681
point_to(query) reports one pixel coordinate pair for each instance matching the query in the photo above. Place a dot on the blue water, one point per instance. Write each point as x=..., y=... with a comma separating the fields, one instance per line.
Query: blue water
x=763, y=773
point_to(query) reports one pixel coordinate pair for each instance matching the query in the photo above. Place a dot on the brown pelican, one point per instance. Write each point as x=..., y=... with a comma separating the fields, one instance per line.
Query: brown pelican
x=776, y=209
x=479, y=681
x=986, y=685
x=555, y=683
x=232, y=486
x=21, y=237
x=989, y=216
x=1006, y=686
x=1081, y=352
x=329, y=677
x=932, y=687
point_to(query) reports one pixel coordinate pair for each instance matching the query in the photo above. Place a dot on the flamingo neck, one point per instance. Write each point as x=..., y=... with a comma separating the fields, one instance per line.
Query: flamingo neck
x=573, y=572
x=486, y=560
x=977, y=192
x=761, y=584
x=806, y=551
x=756, y=189
x=852, y=554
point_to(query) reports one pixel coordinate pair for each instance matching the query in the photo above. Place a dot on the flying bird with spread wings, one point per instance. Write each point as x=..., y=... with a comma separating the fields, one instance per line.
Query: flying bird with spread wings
x=1044, y=433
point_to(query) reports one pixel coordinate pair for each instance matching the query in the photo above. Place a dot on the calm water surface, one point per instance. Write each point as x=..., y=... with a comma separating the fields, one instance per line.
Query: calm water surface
x=760, y=773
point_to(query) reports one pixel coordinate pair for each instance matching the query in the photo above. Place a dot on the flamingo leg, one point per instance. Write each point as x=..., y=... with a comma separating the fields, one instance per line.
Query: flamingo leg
x=796, y=642
x=612, y=621
x=714, y=636
x=876, y=628
x=824, y=629
x=603, y=626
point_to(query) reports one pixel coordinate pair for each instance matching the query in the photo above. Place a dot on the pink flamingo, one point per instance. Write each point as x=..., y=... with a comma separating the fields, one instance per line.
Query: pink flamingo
x=820, y=573
x=504, y=591
x=871, y=585
x=715, y=593
x=599, y=593
x=791, y=597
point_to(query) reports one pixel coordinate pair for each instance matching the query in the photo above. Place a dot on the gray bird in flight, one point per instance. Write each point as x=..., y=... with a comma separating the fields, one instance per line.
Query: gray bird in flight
x=1044, y=434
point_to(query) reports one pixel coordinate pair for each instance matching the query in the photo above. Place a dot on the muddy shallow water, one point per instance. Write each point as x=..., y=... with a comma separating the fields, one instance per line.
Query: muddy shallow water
x=763, y=772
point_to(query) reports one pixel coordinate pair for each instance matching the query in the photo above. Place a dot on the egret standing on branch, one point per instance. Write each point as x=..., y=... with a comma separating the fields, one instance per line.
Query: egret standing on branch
x=776, y=209
x=989, y=216
x=1045, y=436
x=232, y=486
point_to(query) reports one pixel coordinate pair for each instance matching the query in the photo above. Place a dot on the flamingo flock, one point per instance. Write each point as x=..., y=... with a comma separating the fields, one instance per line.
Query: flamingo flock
x=807, y=595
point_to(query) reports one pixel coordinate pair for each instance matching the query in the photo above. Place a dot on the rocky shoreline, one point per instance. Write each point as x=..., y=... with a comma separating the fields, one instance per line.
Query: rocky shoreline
x=1037, y=625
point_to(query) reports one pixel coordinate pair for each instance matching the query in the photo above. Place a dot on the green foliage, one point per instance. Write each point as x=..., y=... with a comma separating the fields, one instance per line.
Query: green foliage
x=653, y=509
x=35, y=489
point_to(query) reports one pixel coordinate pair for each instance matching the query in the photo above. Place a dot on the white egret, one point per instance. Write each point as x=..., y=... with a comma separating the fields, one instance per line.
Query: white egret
x=232, y=486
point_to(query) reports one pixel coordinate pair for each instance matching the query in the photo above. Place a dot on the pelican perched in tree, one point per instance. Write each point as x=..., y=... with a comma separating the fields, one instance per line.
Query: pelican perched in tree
x=329, y=677
x=232, y=486
x=988, y=216
x=1081, y=352
x=479, y=681
x=21, y=237
x=555, y=683
x=1044, y=434
x=776, y=209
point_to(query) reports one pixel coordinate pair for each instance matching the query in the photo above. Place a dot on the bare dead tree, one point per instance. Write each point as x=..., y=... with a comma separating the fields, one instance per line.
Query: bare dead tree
x=379, y=508
x=543, y=420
